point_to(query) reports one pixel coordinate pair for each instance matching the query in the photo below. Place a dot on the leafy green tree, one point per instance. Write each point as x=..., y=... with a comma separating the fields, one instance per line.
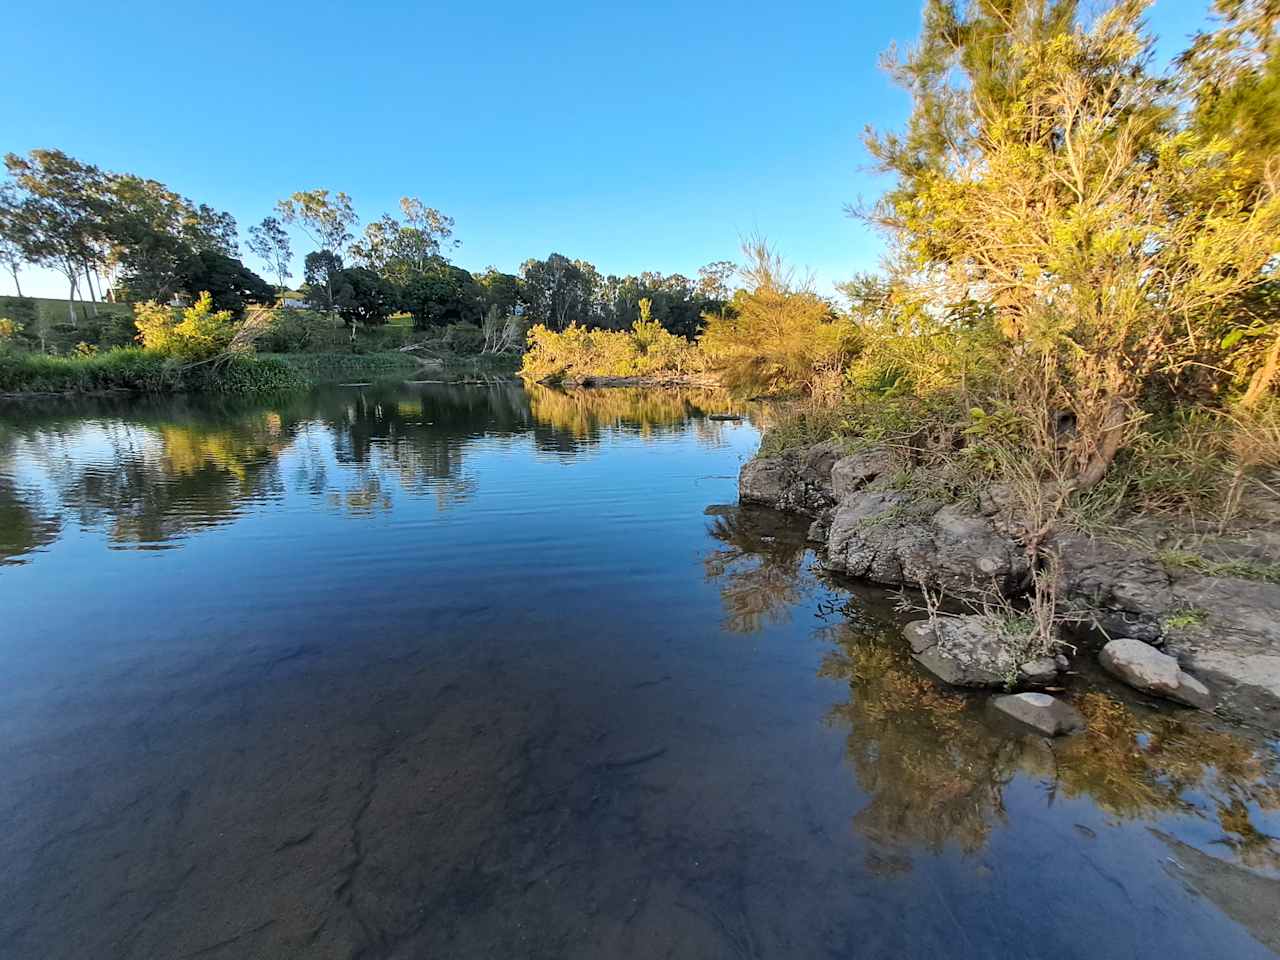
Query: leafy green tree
x=442, y=295
x=11, y=235
x=149, y=232
x=269, y=241
x=1232, y=77
x=1045, y=176
x=363, y=297
x=322, y=273
x=230, y=284
x=501, y=290
x=560, y=291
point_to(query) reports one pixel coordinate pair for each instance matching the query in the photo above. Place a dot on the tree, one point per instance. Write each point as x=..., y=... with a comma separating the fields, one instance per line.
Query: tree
x=715, y=278
x=442, y=295
x=12, y=240
x=1045, y=175
x=1232, y=77
x=363, y=297
x=326, y=219
x=401, y=251
x=228, y=282
x=149, y=232
x=322, y=271
x=560, y=291
x=57, y=215
x=776, y=336
x=269, y=241
x=501, y=290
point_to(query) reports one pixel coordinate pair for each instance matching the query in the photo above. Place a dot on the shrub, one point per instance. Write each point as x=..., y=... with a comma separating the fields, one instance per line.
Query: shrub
x=646, y=350
x=192, y=334
x=776, y=338
x=464, y=339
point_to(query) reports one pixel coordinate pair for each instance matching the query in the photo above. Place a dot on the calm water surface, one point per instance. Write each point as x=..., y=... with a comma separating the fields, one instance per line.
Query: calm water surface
x=439, y=670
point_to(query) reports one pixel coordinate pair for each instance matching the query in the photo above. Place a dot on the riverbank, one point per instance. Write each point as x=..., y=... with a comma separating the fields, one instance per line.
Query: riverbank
x=133, y=370
x=1189, y=607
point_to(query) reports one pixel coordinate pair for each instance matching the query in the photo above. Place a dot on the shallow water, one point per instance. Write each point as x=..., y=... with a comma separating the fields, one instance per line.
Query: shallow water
x=470, y=671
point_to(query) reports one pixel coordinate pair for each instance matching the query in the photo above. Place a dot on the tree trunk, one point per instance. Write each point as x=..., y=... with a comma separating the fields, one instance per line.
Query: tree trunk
x=14, y=270
x=88, y=282
x=1262, y=379
x=1113, y=429
x=71, y=296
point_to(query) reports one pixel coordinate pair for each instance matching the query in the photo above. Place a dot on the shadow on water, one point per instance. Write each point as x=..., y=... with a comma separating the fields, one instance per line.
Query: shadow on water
x=475, y=671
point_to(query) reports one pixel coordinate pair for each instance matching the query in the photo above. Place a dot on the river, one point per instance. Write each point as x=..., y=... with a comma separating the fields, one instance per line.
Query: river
x=470, y=670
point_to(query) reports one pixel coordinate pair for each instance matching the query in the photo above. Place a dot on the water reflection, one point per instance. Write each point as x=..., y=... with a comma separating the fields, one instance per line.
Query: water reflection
x=936, y=770
x=150, y=473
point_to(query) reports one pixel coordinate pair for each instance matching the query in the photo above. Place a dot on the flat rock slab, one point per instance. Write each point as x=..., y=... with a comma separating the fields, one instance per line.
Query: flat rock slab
x=1041, y=712
x=1145, y=668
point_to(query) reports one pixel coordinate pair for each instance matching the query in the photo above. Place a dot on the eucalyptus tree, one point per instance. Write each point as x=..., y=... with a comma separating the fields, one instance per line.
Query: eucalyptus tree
x=401, y=250
x=327, y=219
x=58, y=210
x=11, y=238
x=269, y=241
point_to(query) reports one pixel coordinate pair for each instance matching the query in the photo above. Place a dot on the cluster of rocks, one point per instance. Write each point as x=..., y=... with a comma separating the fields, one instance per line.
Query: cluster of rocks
x=1218, y=636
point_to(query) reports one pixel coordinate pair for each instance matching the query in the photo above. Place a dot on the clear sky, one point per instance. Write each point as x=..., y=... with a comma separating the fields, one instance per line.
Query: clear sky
x=644, y=136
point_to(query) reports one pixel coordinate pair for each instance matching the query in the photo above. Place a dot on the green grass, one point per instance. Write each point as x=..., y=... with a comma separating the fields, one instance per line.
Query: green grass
x=134, y=369
x=347, y=367
x=1244, y=569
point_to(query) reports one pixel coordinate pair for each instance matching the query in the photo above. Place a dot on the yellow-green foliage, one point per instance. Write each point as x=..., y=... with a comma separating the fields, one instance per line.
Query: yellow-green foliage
x=577, y=353
x=775, y=338
x=9, y=329
x=192, y=333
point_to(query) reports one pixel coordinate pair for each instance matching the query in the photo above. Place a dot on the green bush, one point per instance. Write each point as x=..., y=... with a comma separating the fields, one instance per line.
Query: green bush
x=139, y=370
x=465, y=339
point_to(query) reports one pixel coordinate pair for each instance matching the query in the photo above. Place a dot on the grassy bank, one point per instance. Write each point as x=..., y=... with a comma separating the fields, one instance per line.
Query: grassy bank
x=140, y=371
x=346, y=367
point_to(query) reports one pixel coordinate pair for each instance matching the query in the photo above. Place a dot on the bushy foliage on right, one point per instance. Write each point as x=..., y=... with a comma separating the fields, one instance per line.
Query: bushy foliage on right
x=1106, y=237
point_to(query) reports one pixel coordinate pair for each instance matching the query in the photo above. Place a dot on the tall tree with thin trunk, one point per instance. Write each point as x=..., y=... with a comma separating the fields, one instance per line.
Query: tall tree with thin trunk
x=327, y=219
x=60, y=211
x=269, y=241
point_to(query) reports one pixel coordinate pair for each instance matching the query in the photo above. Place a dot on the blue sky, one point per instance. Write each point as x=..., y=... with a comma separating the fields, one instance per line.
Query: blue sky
x=637, y=136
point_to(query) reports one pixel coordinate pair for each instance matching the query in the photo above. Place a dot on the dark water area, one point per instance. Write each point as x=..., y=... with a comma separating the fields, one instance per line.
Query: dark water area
x=442, y=670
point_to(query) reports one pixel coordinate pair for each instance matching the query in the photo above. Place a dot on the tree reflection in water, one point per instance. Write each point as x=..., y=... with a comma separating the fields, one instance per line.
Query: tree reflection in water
x=936, y=767
x=151, y=472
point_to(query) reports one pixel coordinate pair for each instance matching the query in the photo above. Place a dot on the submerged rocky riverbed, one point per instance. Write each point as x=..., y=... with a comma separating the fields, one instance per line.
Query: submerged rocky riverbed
x=486, y=670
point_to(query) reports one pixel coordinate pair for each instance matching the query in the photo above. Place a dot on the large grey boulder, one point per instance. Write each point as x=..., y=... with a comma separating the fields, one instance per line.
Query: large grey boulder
x=967, y=651
x=798, y=481
x=850, y=474
x=1122, y=590
x=1144, y=667
x=1041, y=712
x=888, y=537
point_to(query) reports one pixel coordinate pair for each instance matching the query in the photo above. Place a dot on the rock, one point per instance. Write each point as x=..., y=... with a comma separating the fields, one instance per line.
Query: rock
x=1145, y=668
x=1039, y=673
x=965, y=651
x=919, y=634
x=764, y=479
x=1041, y=712
x=887, y=537
x=850, y=474
x=821, y=526
x=798, y=481
x=1124, y=591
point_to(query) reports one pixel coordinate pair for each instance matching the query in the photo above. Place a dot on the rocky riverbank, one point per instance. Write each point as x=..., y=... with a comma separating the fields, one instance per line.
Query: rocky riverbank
x=1199, y=628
